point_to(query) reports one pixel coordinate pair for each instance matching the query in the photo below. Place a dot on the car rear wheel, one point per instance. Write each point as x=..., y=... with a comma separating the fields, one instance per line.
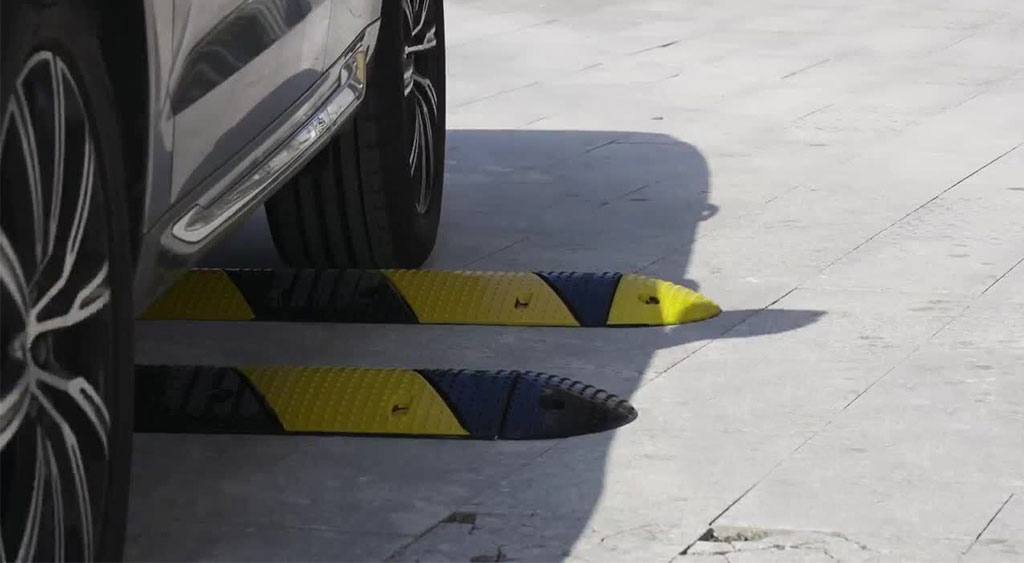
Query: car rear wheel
x=65, y=393
x=372, y=197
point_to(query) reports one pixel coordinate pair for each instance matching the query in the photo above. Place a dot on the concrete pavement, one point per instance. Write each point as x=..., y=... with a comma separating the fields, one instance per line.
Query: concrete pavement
x=845, y=178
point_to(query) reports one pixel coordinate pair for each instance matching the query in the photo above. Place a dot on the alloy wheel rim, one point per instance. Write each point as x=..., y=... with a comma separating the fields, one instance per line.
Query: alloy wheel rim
x=57, y=319
x=418, y=65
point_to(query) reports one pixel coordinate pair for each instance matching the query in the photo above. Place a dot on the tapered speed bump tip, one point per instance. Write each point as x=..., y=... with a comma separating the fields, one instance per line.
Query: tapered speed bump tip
x=548, y=406
x=641, y=300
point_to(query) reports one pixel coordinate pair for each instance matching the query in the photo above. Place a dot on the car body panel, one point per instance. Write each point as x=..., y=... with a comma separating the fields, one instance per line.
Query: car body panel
x=229, y=122
x=231, y=80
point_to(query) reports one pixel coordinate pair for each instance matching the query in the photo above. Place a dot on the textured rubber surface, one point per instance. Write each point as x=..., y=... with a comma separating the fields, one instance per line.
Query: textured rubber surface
x=357, y=296
x=200, y=399
x=432, y=297
x=501, y=298
x=361, y=401
x=202, y=295
x=588, y=296
x=489, y=405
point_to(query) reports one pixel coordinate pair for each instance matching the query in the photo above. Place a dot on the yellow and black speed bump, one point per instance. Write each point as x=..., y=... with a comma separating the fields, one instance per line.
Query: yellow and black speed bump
x=431, y=297
x=506, y=405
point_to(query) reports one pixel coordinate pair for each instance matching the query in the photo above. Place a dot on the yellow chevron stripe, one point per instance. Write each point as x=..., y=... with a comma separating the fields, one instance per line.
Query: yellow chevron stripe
x=354, y=400
x=202, y=295
x=493, y=298
x=640, y=300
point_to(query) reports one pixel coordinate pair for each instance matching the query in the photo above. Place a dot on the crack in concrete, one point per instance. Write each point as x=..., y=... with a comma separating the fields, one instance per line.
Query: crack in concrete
x=644, y=527
x=740, y=540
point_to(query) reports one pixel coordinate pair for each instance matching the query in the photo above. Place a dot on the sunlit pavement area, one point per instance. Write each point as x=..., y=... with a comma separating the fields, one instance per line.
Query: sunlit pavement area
x=845, y=178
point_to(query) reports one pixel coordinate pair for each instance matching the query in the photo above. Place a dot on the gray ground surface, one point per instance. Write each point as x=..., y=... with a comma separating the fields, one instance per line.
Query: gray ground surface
x=844, y=177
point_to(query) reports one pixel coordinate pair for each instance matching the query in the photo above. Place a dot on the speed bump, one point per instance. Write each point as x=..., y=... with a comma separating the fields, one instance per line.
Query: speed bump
x=431, y=297
x=489, y=405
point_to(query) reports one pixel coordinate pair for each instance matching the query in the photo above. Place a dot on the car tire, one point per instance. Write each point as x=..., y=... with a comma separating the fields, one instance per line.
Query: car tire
x=66, y=392
x=372, y=197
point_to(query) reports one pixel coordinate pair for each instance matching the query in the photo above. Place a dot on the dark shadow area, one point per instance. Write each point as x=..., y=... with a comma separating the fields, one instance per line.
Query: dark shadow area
x=514, y=200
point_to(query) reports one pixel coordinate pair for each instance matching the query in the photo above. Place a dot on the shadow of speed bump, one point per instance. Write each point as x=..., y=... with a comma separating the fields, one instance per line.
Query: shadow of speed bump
x=564, y=299
x=489, y=405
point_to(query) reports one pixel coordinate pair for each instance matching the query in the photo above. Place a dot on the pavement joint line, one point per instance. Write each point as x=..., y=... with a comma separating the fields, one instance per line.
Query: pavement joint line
x=906, y=357
x=828, y=423
x=920, y=207
x=654, y=48
x=1000, y=278
x=809, y=67
x=713, y=339
x=989, y=523
x=498, y=93
x=810, y=113
x=627, y=194
x=766, y=475
x=493, y=252
x=521, y=467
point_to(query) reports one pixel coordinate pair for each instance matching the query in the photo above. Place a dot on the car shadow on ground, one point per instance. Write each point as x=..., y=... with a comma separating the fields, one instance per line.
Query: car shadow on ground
x=514, y=200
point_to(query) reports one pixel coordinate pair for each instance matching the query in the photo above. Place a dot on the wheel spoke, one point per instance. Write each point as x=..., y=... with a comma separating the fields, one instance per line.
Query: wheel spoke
x=27, y=138
x=76, y=231
x=84, y=395
x=410, y=17
x=57, y=493
x=428, y=87
x=423, y=7
x=423, y=124
x=12, y=276
x=30, y=537
x=14, y=408
x=429, y=41
x=90, y=299
x=417, y=132
x=58, y=156
x=77, y=470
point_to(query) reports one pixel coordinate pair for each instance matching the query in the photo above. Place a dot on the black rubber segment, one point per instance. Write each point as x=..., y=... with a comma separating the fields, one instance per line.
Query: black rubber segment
x=330, y=295
x=524, y=405
x=478, y=398
x=588, y=295
x=199, y=399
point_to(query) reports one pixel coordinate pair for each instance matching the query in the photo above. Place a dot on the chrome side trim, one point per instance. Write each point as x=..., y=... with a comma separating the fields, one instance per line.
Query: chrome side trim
x=271, y=164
